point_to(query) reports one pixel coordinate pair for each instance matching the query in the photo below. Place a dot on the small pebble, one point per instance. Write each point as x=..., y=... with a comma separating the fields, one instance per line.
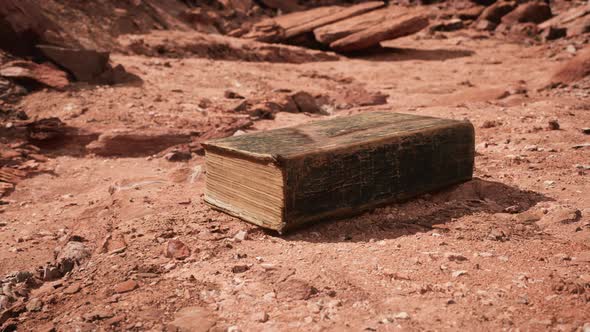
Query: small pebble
x=241, y=236
x=553, y=125
x=459, y=273
x=402, y=315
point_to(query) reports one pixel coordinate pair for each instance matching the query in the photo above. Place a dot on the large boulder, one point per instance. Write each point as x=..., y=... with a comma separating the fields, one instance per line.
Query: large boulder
x=531, y=12
x=84, y=65
x=495, y=12
x=23, y=25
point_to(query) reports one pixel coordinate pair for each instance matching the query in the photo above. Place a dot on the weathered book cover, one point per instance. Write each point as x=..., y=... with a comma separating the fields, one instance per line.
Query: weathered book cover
x=340, y=166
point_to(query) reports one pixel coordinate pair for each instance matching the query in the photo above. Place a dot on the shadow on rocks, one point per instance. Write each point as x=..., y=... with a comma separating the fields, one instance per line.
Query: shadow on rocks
x=407, y=54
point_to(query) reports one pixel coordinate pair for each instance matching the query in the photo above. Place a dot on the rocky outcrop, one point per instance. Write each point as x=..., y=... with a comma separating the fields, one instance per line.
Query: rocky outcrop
x=343, y=29
x=531, y=12
x=23, y=25
x=218, y=47
x=390, y=29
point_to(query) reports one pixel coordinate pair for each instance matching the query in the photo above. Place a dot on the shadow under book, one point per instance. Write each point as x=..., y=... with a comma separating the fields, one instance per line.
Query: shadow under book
x=284, y=178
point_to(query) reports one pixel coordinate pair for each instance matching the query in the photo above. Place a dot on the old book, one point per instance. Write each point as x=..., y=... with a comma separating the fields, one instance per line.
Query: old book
x=283, y=178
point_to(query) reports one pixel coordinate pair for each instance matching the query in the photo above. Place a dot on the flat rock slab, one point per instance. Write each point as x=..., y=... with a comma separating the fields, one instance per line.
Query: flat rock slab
x=397, y=27
x=335, y=17
x=125, y=286
x=343, y=29
x=293, y=20
x=274, y=30
x=40, y=73
x=332, y=32
x=566, y=17
x=183, y=44
x=281, y=28
x=136, y=143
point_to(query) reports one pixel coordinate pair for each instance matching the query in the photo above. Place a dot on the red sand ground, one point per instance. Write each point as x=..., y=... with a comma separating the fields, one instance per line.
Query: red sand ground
x=507, y=251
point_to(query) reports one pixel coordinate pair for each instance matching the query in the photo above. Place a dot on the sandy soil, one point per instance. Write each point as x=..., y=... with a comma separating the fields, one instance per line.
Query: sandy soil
x=509, y=250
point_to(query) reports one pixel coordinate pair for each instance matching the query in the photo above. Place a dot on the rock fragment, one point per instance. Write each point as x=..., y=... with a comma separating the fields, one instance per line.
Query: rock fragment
x=125, y=286
x=241, y=236
x=260, y=317
x=192, y=319
x=567, y=216
x=240, y=268
x=553, y=33
x=34, y=304
x=454, y=257
x=485, y=25
x=229, y=94
x=177, y=249
x=402, y=315
x=295, y=289
x=74, y=251
x=459, y=273
x=72, y=289
x=97, y=315
x=176, y=156
x=306, y=103
x=553, y=124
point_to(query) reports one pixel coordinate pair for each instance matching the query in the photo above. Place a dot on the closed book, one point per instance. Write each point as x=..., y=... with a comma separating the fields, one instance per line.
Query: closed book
x=283, y=178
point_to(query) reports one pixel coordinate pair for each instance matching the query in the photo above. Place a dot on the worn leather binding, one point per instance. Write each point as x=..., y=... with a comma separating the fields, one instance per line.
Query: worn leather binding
x=284, y=178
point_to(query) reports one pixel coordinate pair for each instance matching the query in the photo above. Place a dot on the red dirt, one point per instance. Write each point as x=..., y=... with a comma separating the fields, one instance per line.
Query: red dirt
x=509, y=250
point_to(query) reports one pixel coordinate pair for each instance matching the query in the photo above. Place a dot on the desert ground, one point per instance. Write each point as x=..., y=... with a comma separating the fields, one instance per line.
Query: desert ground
x=106, y=228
